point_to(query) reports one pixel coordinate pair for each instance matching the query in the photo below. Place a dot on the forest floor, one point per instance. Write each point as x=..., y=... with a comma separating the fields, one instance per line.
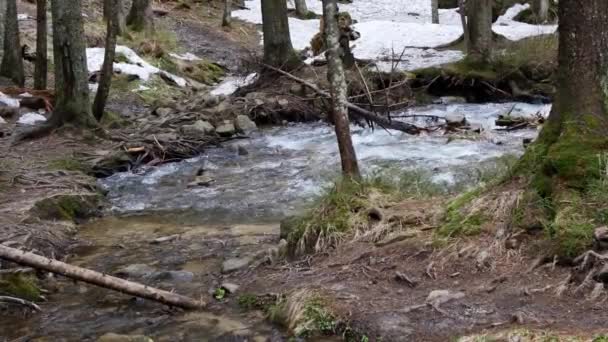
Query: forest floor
x=380, y=291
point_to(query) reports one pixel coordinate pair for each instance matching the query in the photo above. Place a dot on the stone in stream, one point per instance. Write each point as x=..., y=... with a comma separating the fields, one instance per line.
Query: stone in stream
x=230, y=287
x=245, y=124
x=455, y=120
x=198, y=128
x=236, y=264
x=111, y=337
x=210, y=101
x=135, y=271
x=226, y=129
x=175, y=276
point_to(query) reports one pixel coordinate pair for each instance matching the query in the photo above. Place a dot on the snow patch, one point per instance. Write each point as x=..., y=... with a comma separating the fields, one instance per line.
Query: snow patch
x=9, y=101
x=230, y=84
x=186, y=57
x=31, y=119
x=136, y=66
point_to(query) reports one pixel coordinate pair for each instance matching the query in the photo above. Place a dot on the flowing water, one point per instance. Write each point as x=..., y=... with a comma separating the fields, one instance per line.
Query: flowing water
x=231, y=215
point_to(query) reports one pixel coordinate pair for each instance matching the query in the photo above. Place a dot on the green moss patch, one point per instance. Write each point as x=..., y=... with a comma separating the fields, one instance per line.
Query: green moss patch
x=66, y=207
x=20, y=286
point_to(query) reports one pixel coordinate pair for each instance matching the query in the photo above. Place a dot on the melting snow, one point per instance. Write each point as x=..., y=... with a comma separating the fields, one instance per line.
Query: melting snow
x=387, y=25
x=9, y=101
x=230, y=84
x=136, y=66
x=31, y=119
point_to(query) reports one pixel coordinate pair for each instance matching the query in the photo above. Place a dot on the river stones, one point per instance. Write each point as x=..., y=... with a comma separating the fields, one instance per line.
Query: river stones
x=198, y=128
x=135, y=271
x=235, y=264
x=245, y=124
x=226, y=129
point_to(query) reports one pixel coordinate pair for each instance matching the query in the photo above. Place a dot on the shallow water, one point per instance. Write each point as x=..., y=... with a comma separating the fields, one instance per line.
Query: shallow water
x=277, y=171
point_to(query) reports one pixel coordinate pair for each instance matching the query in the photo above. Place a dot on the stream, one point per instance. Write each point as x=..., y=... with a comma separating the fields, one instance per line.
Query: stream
x=223, y=221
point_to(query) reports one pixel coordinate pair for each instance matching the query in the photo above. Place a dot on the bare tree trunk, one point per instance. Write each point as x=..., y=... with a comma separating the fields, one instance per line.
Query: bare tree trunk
x=107, y=70
x=96, y=278
x=41, y=71
x=541, y=10
x=479, y=22
x=2, y=21
x=122, y=18
x=462, y=9
x=141, y=17
x=227, y=17
x=337, y=81
x=12, y=60
x=301, y=9
x=71, y=75
x=435, y=11
x=278, y=51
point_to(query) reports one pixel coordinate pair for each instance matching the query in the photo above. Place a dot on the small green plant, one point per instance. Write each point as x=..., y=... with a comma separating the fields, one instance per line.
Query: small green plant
x=20, y=286
x=219, y=294
x=248, y=301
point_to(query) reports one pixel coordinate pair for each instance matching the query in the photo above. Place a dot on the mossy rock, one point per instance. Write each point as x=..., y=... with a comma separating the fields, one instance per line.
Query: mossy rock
x=20, y=286
x=202, y=71
x=67, y=207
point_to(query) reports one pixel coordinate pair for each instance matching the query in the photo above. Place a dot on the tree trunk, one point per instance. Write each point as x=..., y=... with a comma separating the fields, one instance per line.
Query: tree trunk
x=337, y=81
x=301, y=9
x=96, y=278
x=141, y=17
x=278, y=51
x=541, y=10
x=227, y=17
x=435, y=11
x=12, y=60
x=479, y=22
x=2, y=21
x=71, y=75
x=41, y=70
x=462, y=9
x=566, y=160
x=107, y=70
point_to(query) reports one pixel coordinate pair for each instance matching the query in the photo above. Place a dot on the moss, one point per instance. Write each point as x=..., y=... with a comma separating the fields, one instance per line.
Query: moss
x=248, y=301
x=457, y=221
x=159, y=93
x=66, y=207
x=68, y=164
x=20, y=286
x=113, y=120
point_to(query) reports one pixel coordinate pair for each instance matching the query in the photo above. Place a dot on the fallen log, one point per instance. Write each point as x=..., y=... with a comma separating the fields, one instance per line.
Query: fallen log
x=381, y=121
x=99, y=279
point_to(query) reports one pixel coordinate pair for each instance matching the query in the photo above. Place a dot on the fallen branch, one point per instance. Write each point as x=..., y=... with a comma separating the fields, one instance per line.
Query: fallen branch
x=99, y=279
x=358, y=111
x=19, y=301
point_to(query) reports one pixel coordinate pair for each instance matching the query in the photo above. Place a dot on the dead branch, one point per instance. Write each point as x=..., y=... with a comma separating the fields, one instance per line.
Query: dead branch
x=19, y=301
x=99, y=279
x=358, y=111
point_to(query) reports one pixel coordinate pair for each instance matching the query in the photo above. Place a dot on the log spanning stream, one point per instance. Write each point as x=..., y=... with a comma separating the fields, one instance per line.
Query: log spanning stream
x=186, y=226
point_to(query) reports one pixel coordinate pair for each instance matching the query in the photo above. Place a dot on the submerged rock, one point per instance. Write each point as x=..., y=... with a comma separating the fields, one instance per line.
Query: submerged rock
x=245, y=124
x=135, y=271
x=236, y=264
x=111, y=337
x=177, y=276
x=455, y=120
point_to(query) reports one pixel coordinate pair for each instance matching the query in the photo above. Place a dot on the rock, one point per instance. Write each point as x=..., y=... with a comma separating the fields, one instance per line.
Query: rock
x=600, y=238
x=111, y=337
x=483, y=259
x=283, y=103
x=226, y=129
x=135, y=271
x=177, y=276
x=235, y=264
x=245, y=124
x=241, y=150
x=198, y=128
x=210, y=101
x=439, y=297
x=2, y=121
x=201, y=180
x=163, y=111
x=230, y=287
x=455, y=120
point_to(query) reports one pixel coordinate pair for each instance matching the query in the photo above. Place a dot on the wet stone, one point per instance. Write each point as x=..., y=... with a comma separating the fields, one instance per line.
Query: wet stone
x=227, y=129
x=230, y=287
x=176, y=276
x=235, y=264
x=135, y=271
x=245, y=124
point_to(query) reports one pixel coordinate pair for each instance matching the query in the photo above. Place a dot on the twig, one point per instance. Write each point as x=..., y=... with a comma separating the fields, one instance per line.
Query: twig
x=19, y=301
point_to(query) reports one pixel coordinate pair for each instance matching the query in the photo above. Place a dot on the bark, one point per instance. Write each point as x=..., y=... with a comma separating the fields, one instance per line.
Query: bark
x=2, y=20
x=337, y=81
x=12, y=61
x=227, y=17
x=278, y=51
x=71, y=74
x=301, y=9
x=479, y=23
x=541, y=10
x=463, y=21
x=107, y=69
x=435, y=11
x=96, y=278
x=141, y=17
x=41, y=68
